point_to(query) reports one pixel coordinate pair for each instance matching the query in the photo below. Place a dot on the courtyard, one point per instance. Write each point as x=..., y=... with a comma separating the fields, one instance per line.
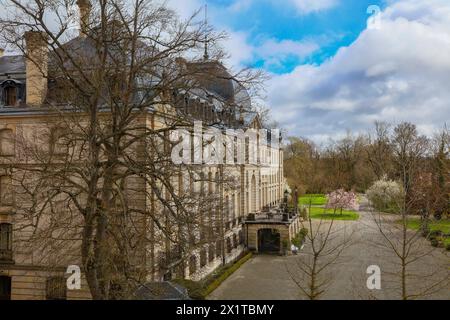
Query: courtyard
x=266, y=277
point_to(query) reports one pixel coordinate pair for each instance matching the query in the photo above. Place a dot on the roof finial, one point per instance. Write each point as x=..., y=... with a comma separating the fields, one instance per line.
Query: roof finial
x=206, y=55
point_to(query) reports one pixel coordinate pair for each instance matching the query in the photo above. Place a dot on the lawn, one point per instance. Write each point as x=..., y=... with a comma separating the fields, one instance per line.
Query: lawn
x=315, y=199
x=328, y=214
x=443, y=225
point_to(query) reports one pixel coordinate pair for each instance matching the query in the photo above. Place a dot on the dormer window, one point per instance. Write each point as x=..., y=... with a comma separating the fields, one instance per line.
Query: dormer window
x=10, y=96
x=11, y=92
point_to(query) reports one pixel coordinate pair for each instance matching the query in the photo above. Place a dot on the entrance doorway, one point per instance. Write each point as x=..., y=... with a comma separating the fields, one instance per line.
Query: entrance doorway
x=5, y=288
x=269, y=241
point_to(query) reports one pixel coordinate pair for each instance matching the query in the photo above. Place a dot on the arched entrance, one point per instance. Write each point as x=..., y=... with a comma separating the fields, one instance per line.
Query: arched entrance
x=269, y=241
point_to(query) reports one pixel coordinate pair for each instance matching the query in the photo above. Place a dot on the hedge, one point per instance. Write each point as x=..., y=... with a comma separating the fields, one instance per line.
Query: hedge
x=199, y=290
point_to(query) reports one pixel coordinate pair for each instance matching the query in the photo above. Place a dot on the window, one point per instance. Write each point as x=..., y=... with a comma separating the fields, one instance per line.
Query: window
x=6, y=192
x=5, y=237
x=203, y=260
x=56, y=288
x=10, y=96
x=5, y=288
x=218, y=248
x=241, y=237
x=58, y=145
x=6, y=142
x=192, y=265
x=229, y=246
x=211, y=251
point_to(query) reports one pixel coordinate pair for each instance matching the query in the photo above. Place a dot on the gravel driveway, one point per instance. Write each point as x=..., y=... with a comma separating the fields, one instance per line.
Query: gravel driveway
x=265, y=277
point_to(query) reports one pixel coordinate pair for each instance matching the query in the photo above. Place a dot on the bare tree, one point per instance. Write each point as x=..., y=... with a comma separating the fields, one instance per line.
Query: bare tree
x=95, y=178
x=379, y=151
x=312, y=270
x=405, y=245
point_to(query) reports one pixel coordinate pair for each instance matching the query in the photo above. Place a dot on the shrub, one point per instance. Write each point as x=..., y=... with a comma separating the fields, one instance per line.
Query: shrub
x=384, y=195
x=304, y=213
x=425, y=232
x=447, y=247
x=199, y=290
x=435, y=242
x=300, y=237
x=435, y=234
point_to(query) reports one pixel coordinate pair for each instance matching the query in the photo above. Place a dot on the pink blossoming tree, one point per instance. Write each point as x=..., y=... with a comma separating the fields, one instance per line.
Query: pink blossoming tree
x=341, y=199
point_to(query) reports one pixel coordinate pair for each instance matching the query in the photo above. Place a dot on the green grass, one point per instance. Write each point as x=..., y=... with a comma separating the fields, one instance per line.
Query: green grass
x=328, y=214
x=315, y=199
x=442, y=225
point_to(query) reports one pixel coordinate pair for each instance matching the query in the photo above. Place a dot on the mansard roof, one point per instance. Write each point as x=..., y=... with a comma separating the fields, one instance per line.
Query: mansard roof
x=12, y=65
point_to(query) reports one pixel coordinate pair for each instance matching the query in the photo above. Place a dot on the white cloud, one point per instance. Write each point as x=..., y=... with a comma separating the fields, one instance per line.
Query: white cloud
x=310, y=6
x=273, y=52
x=398, y=73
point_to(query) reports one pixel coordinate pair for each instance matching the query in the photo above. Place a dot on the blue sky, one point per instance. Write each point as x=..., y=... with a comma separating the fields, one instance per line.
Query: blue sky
x=331, y=28
x=332, y=74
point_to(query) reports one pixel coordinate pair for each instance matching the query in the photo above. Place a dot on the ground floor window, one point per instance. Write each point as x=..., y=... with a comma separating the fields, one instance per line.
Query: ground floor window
x=6, y=242
x=211, y=253
x=5, y=288
x=192, y=265
x=229, y=247
x=241, y=237
x=218, y=248
x=203, y=259
x=56, y=288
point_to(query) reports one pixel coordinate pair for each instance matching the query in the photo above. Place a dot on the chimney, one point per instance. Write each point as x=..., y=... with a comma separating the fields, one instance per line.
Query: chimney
x=85, y=12
x=36, y=67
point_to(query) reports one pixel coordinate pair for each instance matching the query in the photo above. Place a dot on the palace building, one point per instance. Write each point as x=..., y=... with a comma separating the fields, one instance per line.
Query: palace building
x=250, y=214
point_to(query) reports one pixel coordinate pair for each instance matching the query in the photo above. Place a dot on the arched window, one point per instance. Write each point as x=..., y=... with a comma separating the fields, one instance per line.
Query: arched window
x=11, y=92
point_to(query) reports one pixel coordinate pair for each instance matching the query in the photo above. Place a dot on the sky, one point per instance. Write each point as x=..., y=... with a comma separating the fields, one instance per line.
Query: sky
x=333, y=71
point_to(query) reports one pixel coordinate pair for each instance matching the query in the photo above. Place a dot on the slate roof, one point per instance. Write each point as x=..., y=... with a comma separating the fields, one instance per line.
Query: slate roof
x=161, y=291
x=12, y=64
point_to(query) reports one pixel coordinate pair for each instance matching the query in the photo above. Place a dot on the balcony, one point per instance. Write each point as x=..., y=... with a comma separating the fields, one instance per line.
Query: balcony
x=273, y=215
x=6, y=257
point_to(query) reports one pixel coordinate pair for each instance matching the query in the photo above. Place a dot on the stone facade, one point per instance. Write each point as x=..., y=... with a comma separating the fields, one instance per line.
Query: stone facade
x=25, y=270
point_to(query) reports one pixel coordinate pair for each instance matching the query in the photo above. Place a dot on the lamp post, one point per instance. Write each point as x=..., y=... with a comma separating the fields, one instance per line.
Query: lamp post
x=285, y=200
x=296, y=200
x=285, y=212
